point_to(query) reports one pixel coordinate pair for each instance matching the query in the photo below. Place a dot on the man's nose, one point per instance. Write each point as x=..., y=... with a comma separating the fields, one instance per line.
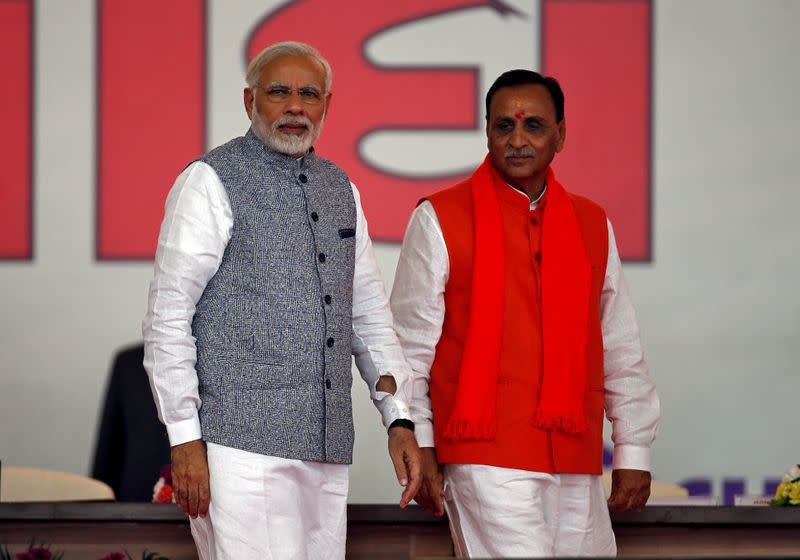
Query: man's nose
x=518, y=139
x=294, y=104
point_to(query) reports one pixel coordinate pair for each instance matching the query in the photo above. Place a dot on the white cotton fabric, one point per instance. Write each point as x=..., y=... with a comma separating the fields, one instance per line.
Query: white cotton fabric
x=272, y=508
x=497, y=512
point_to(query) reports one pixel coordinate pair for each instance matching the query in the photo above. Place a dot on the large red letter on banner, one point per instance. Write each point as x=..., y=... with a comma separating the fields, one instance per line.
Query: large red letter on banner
x=588, y=45
x=600, y=52
x=16, y=141
x=368, y=98
x=151, y=115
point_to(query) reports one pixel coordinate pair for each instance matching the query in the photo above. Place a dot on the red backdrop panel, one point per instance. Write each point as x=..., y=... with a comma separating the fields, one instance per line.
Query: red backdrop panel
x=151, y=97
x=600, y=52
x=16, y=145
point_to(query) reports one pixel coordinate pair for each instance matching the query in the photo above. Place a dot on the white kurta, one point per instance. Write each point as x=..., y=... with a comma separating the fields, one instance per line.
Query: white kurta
x=631, y=403
x=296, y=509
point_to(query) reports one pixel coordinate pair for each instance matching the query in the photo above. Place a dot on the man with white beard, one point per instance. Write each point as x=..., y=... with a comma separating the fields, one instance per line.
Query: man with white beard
x=265, y=284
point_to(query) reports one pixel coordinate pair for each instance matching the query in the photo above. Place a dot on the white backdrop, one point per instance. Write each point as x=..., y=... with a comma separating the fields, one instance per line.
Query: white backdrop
x=718, y=304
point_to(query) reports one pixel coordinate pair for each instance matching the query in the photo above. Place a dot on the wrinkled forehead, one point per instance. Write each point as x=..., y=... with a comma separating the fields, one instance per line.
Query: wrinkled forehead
x=521, y=101
x=294, y=70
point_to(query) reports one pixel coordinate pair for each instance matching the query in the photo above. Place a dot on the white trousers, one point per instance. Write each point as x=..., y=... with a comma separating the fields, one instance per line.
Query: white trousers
x=505, y=513
x=272, y=509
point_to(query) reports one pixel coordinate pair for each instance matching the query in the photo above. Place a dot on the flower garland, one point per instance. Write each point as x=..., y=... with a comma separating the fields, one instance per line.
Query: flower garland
x=788, y=491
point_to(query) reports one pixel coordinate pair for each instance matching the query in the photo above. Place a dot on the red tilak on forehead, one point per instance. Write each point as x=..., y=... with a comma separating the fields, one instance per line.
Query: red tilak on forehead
x=518, y=105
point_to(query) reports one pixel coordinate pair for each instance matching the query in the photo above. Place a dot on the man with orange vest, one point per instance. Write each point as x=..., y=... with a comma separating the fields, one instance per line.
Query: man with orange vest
x=513, y=311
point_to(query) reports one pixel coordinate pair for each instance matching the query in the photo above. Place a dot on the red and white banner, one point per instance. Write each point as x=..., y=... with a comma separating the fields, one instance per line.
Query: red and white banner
x=152, y=106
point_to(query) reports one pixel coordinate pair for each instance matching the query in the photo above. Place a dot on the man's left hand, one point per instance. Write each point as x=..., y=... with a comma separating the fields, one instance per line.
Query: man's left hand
x=629, y=489
x=407, y=459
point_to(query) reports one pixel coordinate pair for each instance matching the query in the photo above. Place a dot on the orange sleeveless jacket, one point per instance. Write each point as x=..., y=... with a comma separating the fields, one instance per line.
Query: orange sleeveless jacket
x=519, y=443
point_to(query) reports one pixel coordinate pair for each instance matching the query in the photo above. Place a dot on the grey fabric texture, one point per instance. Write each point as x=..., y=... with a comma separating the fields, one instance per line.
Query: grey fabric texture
x=273, y=356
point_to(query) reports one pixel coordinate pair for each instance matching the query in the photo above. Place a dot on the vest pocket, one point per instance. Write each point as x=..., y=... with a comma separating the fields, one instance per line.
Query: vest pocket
x=257, y=377
x=267, y=345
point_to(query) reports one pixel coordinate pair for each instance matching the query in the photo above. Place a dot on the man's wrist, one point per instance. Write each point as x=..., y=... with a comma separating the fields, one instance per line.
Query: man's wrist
x=402, y=423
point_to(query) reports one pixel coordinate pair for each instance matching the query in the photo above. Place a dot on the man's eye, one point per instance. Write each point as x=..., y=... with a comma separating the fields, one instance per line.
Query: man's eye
x=504, y=126
x=309, y=94
x=533, y=125
x=278, y=91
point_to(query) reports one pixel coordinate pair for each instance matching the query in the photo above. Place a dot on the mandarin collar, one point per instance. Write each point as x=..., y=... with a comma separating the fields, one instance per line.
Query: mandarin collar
x=514, y=197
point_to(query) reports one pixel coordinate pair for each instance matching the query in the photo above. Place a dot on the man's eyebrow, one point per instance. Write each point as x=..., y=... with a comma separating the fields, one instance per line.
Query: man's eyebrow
x=284, y=85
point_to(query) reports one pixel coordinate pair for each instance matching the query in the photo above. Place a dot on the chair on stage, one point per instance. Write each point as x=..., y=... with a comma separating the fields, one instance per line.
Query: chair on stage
x=29, y=484
x=132, y=444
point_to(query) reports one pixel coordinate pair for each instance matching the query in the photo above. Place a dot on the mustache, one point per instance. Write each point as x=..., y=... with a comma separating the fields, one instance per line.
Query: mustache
x=520, y=152
x=292, y=121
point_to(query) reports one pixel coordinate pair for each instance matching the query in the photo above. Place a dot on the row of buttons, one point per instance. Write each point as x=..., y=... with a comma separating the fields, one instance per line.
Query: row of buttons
x=329, y=344
x=315, y=218
x=328, y=299
x=537, y=255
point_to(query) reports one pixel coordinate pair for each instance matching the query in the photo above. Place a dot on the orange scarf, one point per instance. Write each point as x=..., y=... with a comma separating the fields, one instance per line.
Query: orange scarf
x=566, y=281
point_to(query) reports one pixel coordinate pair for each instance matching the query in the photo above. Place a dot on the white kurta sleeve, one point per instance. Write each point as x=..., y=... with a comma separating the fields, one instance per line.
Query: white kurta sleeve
x=375, y=346
x=196, y=229
x=631, y=401
x=418, y=307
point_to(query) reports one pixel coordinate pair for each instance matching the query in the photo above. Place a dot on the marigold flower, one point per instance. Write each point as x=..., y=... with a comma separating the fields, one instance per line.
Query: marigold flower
x=782, y=490
x=794, y=493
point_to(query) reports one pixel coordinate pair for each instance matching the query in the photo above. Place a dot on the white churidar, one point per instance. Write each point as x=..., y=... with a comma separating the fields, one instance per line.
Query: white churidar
x=496, y=512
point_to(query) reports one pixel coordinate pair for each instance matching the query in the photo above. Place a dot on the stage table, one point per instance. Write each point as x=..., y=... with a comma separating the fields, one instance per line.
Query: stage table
x=91, y=530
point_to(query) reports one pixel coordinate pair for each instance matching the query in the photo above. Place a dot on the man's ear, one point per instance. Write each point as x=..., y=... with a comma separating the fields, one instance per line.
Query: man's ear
x=562, y=134
x=328, y=99
x=248, y=102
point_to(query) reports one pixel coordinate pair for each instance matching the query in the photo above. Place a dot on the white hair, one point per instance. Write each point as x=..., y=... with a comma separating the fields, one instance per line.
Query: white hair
x=286, y=48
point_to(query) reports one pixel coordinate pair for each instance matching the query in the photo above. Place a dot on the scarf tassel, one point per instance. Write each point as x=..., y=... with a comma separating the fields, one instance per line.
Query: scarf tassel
x=464, y=430
x=573, y=423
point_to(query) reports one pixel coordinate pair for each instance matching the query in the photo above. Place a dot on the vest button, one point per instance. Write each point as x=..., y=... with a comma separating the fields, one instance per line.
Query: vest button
x=534, y=221
x=303, y=178
x=328, y=299
x=314, y=216
x=328, y=383
x=538, y=256
x=322, y=257
x=330, y=342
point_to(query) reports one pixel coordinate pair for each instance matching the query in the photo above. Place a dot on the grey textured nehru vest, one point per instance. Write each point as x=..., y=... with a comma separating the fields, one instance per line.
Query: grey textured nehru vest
x=274, y=324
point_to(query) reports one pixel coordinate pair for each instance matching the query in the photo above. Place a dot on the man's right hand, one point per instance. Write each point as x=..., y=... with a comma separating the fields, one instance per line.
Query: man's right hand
x=190, y=477
x=431, y=491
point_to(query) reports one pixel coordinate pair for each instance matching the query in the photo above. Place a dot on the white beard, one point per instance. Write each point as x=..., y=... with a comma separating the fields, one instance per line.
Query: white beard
x=289, y=144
